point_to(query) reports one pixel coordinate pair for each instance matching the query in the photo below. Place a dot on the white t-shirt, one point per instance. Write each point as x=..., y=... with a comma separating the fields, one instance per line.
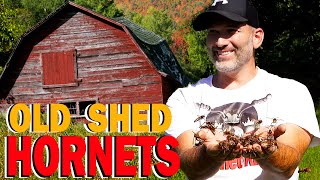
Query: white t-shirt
x=266, y=97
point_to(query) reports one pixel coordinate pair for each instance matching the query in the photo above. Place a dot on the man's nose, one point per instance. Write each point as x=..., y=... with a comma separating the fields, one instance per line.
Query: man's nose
x=221, y=42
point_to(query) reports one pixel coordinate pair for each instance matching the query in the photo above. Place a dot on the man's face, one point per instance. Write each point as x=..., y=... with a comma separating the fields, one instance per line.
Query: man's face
x=230, y=45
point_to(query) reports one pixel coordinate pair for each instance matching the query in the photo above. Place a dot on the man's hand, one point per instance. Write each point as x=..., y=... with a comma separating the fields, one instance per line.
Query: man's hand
x=267, y=142
x=211, y=142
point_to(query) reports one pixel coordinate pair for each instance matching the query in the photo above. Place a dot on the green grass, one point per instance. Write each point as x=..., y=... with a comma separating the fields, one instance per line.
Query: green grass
x=310, y=159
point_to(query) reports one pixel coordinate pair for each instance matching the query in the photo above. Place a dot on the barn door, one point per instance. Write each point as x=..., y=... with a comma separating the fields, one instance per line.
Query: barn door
x=59, y=68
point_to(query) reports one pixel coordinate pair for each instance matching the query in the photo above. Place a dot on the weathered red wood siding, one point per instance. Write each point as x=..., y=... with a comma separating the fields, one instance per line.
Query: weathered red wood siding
x=110, y=67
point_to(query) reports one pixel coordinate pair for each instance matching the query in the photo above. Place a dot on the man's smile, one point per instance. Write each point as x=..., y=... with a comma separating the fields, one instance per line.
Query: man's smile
x=223, y=55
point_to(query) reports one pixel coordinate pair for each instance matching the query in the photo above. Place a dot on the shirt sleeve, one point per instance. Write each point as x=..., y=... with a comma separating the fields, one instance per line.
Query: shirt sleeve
x=305, y=115
x=182, y=108
x=298, y=108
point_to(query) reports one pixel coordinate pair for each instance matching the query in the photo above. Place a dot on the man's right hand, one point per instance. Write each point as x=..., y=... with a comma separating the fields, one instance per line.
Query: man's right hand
x=211, y=143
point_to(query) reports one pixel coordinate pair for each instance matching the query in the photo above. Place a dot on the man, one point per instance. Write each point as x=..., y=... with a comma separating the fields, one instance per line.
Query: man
x=243, y=100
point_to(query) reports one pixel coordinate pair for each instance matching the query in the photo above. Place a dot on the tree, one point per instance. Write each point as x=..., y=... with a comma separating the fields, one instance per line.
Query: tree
x=16, y=17
x=155, y=21
x=199, y=64
x=292, y=38
x=10, y=30
x=105, y=7
x=109, y=9
x=40, y=9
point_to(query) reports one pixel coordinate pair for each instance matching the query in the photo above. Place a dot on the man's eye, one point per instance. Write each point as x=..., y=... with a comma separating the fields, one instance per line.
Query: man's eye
x=232, y=30
x=213, y=32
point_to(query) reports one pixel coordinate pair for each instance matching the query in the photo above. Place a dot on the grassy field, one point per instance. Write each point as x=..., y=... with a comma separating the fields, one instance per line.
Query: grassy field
x=310, y=159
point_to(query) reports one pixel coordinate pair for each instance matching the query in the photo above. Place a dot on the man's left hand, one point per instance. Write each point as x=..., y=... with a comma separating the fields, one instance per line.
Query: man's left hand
x=266, y=144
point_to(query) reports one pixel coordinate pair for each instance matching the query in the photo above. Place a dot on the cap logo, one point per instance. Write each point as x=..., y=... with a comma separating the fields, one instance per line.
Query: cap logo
x=223, y=2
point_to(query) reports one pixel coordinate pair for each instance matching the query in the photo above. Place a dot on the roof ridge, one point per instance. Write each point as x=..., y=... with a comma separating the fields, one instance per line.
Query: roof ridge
x=142, y=33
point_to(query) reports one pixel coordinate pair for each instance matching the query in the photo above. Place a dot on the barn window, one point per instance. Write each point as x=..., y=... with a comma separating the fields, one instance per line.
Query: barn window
x=59, y=68
x=72, y=106
x=77, y=108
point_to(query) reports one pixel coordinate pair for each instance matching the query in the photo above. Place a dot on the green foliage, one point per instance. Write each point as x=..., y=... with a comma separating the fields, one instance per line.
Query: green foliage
x=156, y=21
x=90, y=4
x=40, y=9
x=291, y=45
x=16, y=16
x=197, y=58
x=10, y=29
x=105, y=7
x=109, y=9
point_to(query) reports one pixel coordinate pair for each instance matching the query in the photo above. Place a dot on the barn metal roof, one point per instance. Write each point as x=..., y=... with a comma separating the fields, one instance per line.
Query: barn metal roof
x=143, y=34
x=157, y=50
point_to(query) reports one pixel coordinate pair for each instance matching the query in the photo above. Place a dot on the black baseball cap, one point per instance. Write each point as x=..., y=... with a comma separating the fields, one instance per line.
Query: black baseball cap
x=235, y=10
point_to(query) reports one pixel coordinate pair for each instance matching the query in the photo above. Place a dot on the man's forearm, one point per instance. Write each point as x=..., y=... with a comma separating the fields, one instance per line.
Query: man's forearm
x=283, y=161
x=196, y=163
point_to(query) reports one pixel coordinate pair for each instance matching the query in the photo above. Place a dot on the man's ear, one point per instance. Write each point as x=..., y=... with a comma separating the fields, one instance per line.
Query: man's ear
x=258, y=38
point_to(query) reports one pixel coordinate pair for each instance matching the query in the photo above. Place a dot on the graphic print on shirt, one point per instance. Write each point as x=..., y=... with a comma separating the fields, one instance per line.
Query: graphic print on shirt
x=238, y=163
x=238, y=118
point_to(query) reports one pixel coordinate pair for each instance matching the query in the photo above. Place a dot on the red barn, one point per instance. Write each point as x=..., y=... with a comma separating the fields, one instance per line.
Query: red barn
x=78, y=57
